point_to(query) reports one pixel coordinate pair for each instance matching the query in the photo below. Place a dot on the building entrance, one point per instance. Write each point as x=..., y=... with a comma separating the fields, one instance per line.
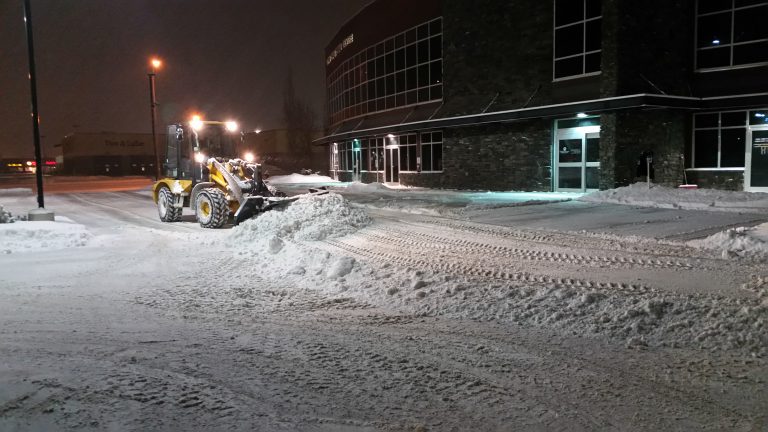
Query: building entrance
x=756, y=163
x=391, y=164
x=577, y=155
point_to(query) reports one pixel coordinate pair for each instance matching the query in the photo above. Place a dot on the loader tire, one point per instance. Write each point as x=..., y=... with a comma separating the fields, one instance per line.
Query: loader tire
x=165, y=206
x=211, y=208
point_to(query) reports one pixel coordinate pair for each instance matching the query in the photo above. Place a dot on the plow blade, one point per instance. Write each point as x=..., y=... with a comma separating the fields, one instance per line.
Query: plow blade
x=256, y=204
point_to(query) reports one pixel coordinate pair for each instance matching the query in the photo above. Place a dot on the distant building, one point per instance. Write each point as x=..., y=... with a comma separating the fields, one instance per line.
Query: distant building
x=109, y=153
x=562, y=95
x=287, y=150
x=22, y=166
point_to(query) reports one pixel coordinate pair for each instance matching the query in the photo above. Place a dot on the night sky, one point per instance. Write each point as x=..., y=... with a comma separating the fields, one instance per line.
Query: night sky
x=223, y=58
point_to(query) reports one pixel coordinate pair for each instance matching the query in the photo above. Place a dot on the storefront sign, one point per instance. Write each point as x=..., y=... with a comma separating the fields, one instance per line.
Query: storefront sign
x=339, y=48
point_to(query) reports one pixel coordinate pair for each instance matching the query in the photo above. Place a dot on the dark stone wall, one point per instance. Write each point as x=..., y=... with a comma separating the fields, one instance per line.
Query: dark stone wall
x=625, y=136
x=493, y=157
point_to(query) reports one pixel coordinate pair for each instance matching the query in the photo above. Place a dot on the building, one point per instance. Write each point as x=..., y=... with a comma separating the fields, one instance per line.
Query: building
x=109, y=153
x=285, y=149
x=564, y=95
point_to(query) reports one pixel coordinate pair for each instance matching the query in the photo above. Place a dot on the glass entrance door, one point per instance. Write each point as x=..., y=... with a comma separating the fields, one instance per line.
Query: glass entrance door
x=356, y=164
x=756, y=166
x=577, y=158
x=391, y=165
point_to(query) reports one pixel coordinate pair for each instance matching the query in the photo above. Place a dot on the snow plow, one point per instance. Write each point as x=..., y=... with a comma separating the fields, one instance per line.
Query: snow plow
x=201, y=173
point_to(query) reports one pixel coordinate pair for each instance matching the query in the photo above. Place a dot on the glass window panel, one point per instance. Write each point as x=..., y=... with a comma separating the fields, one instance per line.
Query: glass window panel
x=568, y=11
x=410, y=36
x=714, y=30
x=410, y=79
x=380, y=87
x=435, y=47
x=424, y=94
x=437, y=136
x=738, y=118
x=732, y=147
x=400, y=81
x=592, y=62
x=423, y=51
x=436, y=92
x=706, y=120
x=400, y=41
x=379, y=49
x=390, y=102
x=380, y=69
x=593, y=149
x=426, y=158
x=711, y=58
x=569, y=40
x=758, y=117
x=594, y=35
x=389, y=61
x=422, y=32
x=370, y=69
x=705, y=147
x=594, y=8
x=410, y=55
x=371, y=106
x=423, y=75
x=380, y=104
x=569, y=150
x=400, y=99
x=412, y=97
x=400, y=59
x=750, y=24
x=403, y=158
x=437, y=157
x=436, y=27
x=436, y=72
x=569, y=178
x=371, y=90
x=389, y=45
x=569, y=67
x=592, y=178
x=390, y=85
x=750, y=53
x=412, y=158
x=707, y=6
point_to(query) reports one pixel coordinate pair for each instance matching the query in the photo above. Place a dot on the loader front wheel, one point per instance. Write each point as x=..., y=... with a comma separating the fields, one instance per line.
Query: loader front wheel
x=211, y=208
x=166, y=208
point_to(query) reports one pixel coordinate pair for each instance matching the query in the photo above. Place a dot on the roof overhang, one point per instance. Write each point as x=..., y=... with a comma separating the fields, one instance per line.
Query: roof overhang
x=594, y=106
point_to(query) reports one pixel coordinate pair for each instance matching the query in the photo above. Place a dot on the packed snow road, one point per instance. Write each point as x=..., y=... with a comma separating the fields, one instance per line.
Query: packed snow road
x=405, y=322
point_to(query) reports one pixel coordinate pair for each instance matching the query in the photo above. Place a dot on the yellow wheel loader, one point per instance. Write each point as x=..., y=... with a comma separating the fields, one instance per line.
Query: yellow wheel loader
x=202, y=172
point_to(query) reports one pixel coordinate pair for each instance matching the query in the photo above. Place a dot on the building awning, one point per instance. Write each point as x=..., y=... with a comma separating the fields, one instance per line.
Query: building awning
x=359, y=128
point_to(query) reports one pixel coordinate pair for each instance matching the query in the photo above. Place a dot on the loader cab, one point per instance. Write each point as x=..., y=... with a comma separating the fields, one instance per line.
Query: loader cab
x=212, y=139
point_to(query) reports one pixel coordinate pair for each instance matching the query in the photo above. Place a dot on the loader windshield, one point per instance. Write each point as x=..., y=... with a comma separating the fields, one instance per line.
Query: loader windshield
x=216, y=141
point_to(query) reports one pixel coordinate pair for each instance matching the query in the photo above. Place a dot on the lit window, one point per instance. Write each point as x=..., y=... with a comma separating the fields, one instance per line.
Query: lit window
x=578, y=38
x=731, y=33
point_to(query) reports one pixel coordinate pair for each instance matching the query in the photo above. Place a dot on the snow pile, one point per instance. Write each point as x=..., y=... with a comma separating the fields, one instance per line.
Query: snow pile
x=315, y=217
x=15, y=192
x=688, y=199
x=31, y=236
x=7, y=217
x=751, y=243
x=301, y=178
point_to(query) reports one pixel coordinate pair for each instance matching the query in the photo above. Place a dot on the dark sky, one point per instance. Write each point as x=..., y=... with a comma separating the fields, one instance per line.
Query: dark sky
x=224, y=58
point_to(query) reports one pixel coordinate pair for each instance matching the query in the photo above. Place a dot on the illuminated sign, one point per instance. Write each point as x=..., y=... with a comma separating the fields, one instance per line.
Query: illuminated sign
x=14, y=165
x=339, y=48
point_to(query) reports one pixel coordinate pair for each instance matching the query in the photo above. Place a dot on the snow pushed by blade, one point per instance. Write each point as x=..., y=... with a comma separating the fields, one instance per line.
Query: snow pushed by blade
x=688, y=199
x=742, y=242
x=34, y=236
x=314, y=217
x=301, y=179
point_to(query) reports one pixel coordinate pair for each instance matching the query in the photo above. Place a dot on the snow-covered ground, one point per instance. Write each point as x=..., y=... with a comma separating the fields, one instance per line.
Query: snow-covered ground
x=374, y=308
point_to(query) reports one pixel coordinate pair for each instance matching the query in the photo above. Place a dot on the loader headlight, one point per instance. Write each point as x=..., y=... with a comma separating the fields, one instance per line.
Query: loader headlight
x=231, y=126
x=199, y=157
x=249, y=157
x=196, y=123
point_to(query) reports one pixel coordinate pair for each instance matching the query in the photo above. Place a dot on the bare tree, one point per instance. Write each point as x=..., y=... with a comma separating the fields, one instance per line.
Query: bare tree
x=300, y=121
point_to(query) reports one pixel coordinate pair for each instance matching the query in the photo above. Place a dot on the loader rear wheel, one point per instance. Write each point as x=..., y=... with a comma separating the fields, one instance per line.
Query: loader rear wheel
x=211, y=208
x=165, y=206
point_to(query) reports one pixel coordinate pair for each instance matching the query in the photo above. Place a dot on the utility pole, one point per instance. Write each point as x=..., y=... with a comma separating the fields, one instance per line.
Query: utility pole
x=40, y=213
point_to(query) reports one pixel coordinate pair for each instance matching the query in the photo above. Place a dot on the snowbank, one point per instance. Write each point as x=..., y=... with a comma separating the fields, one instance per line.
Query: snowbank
x=751, y=243
x=688, y=199
x=31, y=236
x=308, y=218
x=15, y=192
x=301, y=179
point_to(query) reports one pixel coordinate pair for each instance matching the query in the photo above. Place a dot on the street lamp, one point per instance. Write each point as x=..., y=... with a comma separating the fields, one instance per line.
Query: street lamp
x=155, y=63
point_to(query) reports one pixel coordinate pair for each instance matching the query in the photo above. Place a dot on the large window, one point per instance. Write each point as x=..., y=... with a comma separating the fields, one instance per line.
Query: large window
x=731, y=33
x=403, y=70
x=719, y=138
x=432, y=151
x=578, y=38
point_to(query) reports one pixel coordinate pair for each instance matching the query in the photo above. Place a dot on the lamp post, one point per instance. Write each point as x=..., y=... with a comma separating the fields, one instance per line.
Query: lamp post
x=155, y=63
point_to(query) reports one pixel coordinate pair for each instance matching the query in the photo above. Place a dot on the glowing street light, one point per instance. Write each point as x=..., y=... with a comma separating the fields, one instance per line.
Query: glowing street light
x=155, y=63
x=196, y=123
x=231, y=126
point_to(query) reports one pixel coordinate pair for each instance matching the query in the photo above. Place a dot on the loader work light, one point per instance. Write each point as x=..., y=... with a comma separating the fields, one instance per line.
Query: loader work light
x=199, y=157
x=196, y=123
x=249, y=157
x=231, y=126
